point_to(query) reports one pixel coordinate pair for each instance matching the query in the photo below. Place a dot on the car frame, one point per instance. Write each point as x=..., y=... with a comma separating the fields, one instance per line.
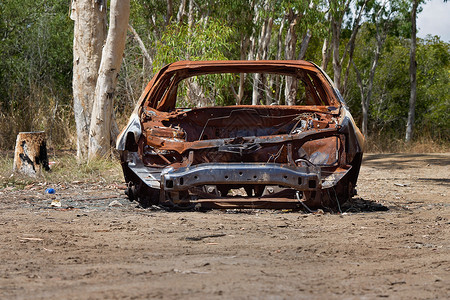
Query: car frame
x=241, y=156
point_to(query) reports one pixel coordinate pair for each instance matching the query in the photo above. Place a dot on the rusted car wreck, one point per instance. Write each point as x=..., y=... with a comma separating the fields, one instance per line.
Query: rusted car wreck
x=306, y=155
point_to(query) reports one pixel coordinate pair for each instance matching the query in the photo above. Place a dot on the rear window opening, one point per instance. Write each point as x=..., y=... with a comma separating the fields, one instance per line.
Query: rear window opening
x=226, y=89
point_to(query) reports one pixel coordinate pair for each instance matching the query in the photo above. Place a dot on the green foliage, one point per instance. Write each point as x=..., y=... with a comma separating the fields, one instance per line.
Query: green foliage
x=36, y=59
x=215, y=90
x=389, y=108
x=433, y=74
x=202, y=41
x=35, y=67
x=390, y=101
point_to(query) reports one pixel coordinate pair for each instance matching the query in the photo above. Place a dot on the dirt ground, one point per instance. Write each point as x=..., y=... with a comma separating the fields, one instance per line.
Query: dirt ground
x=392, y=242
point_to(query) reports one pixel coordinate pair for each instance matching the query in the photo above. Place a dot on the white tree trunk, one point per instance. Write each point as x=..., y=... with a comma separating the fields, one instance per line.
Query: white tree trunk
x=366, y=91
x=368, y=98
x=335, y=37
x=263, y=49
x=278, y=56
x=337, y=17
x=364, y=108
x=89, y=37
x=351, y=46
x=326, y=52
x=101, y=120
x=412, y=74
x=290, y=44
x=265, y=55
x=244, y=46
x=181, y=11
x=304, y=45
x=191, y=16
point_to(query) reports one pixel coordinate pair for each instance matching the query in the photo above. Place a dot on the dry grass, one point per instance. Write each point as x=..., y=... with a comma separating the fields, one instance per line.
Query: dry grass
x=426, y=144
x=66, y=169
x=56, y=120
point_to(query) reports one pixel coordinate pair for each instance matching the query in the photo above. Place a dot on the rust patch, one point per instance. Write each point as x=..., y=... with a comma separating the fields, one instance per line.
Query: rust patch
x=282, y=156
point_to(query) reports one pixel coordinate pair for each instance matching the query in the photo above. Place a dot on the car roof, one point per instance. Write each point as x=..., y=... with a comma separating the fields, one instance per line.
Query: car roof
x=231, y=65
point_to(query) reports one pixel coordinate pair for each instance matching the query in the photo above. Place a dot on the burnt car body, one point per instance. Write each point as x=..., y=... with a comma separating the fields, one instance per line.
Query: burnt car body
x=298, y=156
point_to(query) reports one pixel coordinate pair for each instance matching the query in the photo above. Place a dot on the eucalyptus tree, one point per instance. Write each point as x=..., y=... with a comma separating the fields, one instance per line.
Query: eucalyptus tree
x=383, y=18
x=96, y=64
x=89, y=36
x=338, y=11
x=102, y=121
x=412, y=72
x=303, y=18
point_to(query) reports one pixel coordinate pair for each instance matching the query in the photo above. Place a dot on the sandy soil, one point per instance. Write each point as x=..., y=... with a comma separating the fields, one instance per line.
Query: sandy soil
x=393, y=242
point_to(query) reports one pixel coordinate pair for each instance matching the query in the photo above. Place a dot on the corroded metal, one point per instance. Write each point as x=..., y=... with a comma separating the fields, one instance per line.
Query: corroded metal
x=194, y=157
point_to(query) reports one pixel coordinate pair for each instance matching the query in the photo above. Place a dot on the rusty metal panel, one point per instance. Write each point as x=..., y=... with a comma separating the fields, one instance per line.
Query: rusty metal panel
x=281, y=156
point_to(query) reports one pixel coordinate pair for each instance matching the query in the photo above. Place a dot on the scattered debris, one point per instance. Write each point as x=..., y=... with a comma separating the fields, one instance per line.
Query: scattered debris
x=55, y=203
x=50, y=191
x=189, y=272
x=25, y=239
x=115, y=203
x=199, y=238
x=401, y=184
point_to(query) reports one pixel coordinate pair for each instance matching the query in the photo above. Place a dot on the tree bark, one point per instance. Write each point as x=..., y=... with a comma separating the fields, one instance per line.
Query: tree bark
x=128, y=87
x=102, y=112
x=89, y=37
x=326, y=53
x=307, y=36
x=335, y=38
x=191, y=16
x=336, y=25
x=366, y=92
x=304, y=45
x=368, y=98
x=30, y=155
x=256, y=17
x=412, y=74
x=278, y=57
x=181, y=11
x=263, y=50
x=244, y=46
x=169, y=11
x=337, y=17
x=326, y=50
x=290, y=43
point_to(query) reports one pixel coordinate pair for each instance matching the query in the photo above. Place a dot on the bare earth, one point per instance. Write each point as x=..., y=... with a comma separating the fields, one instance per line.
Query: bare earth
x=392, y=242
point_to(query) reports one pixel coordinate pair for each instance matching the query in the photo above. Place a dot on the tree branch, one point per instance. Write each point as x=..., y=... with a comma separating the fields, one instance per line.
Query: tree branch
x=141, y=45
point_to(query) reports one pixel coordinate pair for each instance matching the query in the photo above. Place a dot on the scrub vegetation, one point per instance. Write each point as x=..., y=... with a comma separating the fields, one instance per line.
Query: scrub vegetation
x=344, y=37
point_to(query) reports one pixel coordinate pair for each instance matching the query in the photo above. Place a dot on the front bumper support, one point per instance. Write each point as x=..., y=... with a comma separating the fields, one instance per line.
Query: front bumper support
x=299, y=178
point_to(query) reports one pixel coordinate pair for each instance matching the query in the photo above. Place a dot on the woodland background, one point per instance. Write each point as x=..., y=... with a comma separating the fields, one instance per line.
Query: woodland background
x=363, y=45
